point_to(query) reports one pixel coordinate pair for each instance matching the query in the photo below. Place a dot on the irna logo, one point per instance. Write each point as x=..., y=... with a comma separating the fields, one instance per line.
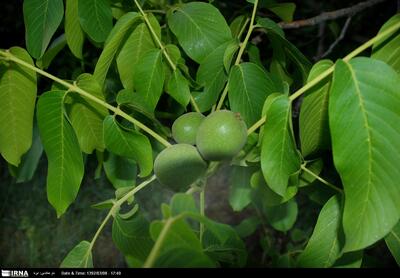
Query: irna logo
x=14, y=273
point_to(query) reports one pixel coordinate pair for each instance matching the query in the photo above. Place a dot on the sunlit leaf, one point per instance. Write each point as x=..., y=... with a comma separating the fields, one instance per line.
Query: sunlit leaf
x=199, y=27
x=65, y=163
x=79, y=257
x=314, y=125
x=73, y=30
x=17, y=105
x=130, y=144
x=363, y=118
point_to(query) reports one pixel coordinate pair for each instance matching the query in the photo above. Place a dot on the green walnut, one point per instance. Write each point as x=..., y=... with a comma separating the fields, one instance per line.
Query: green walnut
x=221, y=135
x=184, y=129
x=178, y=166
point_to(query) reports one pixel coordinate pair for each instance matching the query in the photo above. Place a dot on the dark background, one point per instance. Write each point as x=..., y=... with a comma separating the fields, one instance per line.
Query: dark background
x=30, y=233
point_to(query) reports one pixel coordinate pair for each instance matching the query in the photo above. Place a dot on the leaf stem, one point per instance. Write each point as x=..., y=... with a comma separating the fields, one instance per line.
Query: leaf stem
x=243, y=27
x=256, y=125
x=202, y=207
x=100, y=229
x=304, y=168
x=369, y=43
x=241, y=51
x=114, y=209
x=162, y=47
x=160, y=240
x=75, y=88
x=329, y=71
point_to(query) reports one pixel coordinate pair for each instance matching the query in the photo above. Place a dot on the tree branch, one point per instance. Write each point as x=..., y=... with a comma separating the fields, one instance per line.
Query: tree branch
x=341, y=36
x=350, y=11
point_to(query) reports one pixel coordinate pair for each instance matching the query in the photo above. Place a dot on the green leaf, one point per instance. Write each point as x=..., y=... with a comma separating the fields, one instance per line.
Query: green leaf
x=42, y=18
x=264, y=196
x=120, y=171
x=306, y=178
x=107, y=204
x=149, y=78
x=132, y=236
x=79, y=257
x=178, y=88
x=388, y=49
x=284, y=10
x=324, y=246
x=314, y=125
x=179, y=235
x=211, y=74
x=237, y=25
x=350, y=260
x=284, y=261
x=248, y=226
x=254, y=55
x=65, y=163
x=17, y=105
x=181, y=203
x=112, y=45
x=393, y=242
x=134, y=102
x=279, y=156
x=282, y=217
x=87, y=116
x=55, y=47
x=363, y=119
x=73, y=30
x=271, y=26
x=249, y=86
x=30, y=160
x=182, y=257
x=275, y=33
x=95, y=18
x=132, y=144
x=199, y=27
x=221, y=242
x=229, y=53
x=137, y=44
x=240, y=189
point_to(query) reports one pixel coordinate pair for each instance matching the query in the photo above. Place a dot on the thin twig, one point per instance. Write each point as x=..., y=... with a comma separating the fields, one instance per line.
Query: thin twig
x=321, y=32
x=327, y=183
x=335, y=43
x=349, y=11
x=328, y=71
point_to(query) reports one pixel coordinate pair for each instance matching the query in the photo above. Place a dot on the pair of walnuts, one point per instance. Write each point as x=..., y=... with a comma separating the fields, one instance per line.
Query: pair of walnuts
x=219, y=136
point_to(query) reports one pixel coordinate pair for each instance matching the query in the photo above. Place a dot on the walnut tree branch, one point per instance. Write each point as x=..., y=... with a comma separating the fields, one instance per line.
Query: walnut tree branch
x=341, y=36
x=349, y=11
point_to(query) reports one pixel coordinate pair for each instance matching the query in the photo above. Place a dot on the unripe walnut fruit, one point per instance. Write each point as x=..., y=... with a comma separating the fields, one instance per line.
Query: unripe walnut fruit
x=178, y=166
x=221, y=135
x=184, y=129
